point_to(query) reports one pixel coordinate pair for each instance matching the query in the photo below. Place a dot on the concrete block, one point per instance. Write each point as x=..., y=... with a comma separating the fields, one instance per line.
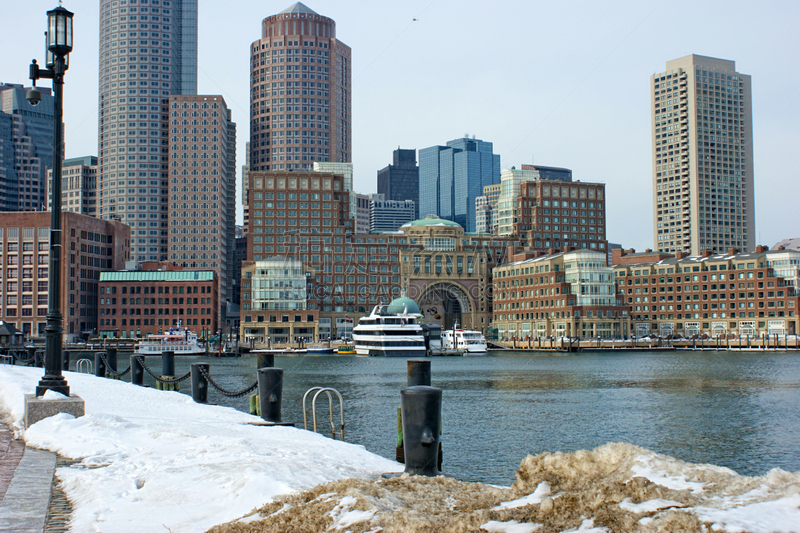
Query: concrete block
x=38, y=409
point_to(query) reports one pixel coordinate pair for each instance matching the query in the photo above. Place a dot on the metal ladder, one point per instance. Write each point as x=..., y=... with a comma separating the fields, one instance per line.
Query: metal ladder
x=84, y=366
x=327, y=391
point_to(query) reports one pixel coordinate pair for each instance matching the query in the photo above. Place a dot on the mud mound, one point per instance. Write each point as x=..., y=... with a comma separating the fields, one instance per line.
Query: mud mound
x=614, y=488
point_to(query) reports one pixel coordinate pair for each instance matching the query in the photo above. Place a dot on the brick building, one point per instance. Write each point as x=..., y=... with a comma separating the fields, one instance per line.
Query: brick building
x=711, y=294
x=135, y=303
x=565, y=294
x=90, y=246
x=561, y=215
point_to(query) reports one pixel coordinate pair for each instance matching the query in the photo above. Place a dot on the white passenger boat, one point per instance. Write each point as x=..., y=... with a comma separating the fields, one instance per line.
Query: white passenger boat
x=465, y=341
x=392, y=330
x=181, y=342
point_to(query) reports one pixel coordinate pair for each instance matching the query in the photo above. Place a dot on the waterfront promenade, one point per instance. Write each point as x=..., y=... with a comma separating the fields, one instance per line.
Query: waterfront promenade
x=26, y=479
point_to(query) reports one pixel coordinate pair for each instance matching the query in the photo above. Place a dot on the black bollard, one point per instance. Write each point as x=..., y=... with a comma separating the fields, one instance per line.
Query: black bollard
x=168, y=363
x=65, y=363
x=270, y=392
x=111, y=357
x=422, y=418
x=199, y=383
x=265, y=360
x=419, y=373
x=32, y=357
x=99, y=366
x=137, y=371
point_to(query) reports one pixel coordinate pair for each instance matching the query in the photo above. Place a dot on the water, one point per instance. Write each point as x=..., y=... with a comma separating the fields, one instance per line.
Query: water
x=735, y=409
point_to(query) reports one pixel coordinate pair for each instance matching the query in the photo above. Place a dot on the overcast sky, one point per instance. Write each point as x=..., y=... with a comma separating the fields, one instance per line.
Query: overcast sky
x=560, y=83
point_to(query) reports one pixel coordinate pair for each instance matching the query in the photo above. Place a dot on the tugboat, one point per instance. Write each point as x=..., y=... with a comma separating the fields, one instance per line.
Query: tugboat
x=393, y=330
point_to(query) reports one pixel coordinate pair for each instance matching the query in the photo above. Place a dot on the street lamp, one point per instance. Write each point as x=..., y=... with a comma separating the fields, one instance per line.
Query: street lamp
x=59, y=45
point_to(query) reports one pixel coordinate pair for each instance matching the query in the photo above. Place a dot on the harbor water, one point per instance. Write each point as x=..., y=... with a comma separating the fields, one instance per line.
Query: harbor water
x=740, y=410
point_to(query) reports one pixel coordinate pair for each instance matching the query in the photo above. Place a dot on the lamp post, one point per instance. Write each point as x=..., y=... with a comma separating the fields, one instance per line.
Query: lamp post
x=59, y=45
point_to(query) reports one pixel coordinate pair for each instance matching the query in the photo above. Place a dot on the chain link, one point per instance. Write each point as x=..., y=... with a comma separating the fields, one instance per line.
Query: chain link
x=109, y=369
x=230, y=394
x=184, y=377
x=15, y=354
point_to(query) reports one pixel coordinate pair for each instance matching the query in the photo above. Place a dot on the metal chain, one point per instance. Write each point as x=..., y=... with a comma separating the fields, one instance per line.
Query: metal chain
x=110, y=370
x=159, y=378
x=227, y=393
x=15, y=354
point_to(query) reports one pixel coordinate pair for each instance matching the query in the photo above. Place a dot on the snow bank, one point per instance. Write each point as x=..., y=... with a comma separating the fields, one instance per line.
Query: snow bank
x=616, y=487
x=155, y=461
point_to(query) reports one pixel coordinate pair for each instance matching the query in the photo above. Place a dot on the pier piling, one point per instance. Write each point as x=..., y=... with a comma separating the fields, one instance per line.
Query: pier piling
x=419, y=373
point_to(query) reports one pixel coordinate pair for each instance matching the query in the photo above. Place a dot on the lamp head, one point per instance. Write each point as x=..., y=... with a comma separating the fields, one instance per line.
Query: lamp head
x=33, y=96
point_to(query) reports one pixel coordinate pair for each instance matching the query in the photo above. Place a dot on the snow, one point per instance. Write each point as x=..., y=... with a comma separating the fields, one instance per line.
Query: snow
x=648, y=506
x=542, y=490
x=153, y=460
x=53, y=395
x=511, y=526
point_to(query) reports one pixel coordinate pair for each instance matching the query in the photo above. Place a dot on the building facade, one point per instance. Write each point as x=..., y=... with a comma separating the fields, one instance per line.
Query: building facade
x=362, y=213
x=702, y=142
x=451, y=178
x=90, y=246
x=202, y=185
x=561, y=215
x=448, y=272
x=300, y=92
x=275, y=301
x=716, y=295
x=566, y=294
x=148, y=51
x=26, y=148
x=78, y=185
x=137, y=303
x=389, y=215
x=400, y=180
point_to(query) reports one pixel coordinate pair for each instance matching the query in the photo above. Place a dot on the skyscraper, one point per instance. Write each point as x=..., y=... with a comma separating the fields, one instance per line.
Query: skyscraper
x=148, y=51
x=702, y=157
x=300, y=99
x=202, y=207
x=26, y=148
x=400, y=180
x=451, y=178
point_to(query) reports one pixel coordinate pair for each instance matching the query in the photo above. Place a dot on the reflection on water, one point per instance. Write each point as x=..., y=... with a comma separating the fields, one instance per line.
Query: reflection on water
x=739, y=410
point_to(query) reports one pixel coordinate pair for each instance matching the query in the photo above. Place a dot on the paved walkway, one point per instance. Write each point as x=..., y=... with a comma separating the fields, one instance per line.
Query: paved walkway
x=26, y=478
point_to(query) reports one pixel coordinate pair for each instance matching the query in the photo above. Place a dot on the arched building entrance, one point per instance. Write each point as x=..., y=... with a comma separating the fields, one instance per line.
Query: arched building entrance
x=446, y=304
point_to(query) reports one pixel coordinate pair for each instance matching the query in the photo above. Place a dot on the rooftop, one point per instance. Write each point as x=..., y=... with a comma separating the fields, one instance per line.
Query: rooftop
x=299, y=7
x=158, y=275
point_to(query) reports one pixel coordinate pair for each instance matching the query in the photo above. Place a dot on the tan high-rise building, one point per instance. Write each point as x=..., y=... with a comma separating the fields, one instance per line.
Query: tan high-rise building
x=702, y=156
x=202, y=185
x=300, y=93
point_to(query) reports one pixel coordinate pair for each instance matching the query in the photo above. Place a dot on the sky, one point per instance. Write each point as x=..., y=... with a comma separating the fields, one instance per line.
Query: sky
x=559, y=83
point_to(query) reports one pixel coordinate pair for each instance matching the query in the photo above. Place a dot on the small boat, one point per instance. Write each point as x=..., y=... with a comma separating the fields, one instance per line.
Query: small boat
x=181, y=342
x=465, y=341
x=318, y=349
x=346, y=349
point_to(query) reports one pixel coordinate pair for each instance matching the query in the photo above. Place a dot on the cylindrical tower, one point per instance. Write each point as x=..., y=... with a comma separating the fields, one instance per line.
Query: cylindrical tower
x=300, y=100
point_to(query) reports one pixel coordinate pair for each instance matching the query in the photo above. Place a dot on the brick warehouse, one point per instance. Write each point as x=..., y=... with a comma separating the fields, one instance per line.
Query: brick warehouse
x=91, y=246
x=136, y=303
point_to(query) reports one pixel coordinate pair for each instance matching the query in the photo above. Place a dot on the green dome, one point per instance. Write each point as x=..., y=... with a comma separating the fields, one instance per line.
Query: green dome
x=431, y=220
x=403, y=303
